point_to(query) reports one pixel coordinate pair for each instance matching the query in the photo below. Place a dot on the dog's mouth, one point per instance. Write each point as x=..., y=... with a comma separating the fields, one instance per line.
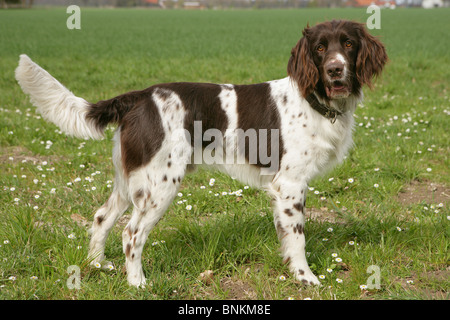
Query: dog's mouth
x=337, y=90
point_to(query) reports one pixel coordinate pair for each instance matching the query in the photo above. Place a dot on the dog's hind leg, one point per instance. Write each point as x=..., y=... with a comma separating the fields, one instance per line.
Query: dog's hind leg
x=107, y=215
x=152, y=191
x=104, y=220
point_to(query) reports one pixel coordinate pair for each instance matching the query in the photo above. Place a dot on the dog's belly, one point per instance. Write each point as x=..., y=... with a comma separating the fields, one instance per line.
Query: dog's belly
x=248, y=174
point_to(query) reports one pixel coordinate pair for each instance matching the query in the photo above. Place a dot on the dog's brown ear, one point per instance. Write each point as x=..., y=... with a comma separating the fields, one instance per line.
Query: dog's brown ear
x=301, y=67
x=371, y=58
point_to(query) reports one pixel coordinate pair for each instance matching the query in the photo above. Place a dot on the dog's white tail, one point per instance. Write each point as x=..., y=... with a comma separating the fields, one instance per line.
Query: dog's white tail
x=55, y=102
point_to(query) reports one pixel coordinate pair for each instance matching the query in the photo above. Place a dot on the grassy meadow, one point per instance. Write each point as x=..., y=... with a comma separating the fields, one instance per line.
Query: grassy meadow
x=387, y=205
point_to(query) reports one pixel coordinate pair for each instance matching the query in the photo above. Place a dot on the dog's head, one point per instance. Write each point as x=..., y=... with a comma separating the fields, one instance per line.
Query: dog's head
x=335, y=59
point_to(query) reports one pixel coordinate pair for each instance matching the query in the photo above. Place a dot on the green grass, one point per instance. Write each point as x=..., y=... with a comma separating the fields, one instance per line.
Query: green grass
x=51, y=184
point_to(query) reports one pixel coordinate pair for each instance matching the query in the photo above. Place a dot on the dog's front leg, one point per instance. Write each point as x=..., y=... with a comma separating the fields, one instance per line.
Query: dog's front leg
x=289, y=220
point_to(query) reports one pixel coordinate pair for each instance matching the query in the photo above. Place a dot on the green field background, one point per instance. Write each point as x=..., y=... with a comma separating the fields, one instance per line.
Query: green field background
x=401, y=146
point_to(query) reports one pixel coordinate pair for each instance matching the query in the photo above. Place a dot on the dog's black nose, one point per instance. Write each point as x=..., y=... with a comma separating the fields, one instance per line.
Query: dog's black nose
x=334, y=69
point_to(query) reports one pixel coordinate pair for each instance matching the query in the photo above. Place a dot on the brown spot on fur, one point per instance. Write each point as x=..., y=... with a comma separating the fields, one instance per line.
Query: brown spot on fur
x=139, y=194
x=256, y=110
x=100, y=219
x=141, y=133
x=128, y=250
x=280, y=230
x=298, y=228
x=298, y=206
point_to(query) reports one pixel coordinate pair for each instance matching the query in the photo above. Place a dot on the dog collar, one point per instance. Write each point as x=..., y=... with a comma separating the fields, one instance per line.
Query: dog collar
x=324, y=110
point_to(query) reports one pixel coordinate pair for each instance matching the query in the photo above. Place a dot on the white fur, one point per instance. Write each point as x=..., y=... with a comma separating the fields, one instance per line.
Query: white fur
x=55, y=102
x=341, y=59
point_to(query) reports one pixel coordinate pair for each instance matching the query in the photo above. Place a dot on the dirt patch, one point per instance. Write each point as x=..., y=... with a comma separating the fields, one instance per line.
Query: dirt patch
x=322, y=215
x=438, y=275
x=20, y=154
x=424, y=191
x=415, y=285
x=237, y=289
x=232, y=289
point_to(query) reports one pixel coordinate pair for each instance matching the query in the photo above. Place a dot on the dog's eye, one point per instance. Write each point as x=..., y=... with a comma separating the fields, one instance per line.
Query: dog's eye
x=320, y=48
x=348, y=44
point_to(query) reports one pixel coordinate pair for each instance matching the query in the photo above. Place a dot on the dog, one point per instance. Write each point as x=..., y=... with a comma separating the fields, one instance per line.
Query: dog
x=276, y=135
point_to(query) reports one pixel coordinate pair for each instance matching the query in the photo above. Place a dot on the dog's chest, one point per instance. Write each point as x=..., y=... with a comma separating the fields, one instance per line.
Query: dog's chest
x=312, y=143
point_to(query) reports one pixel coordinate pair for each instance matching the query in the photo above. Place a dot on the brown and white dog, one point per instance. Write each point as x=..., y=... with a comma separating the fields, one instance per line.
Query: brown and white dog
x=276, y=135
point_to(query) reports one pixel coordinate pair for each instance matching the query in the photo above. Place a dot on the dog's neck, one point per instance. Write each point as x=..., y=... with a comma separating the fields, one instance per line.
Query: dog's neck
x=322, y=108
x=334, y=108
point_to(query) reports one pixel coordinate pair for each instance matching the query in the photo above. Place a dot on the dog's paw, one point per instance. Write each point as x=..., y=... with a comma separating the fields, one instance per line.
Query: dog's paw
x=307, y=277
x=137, y=280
